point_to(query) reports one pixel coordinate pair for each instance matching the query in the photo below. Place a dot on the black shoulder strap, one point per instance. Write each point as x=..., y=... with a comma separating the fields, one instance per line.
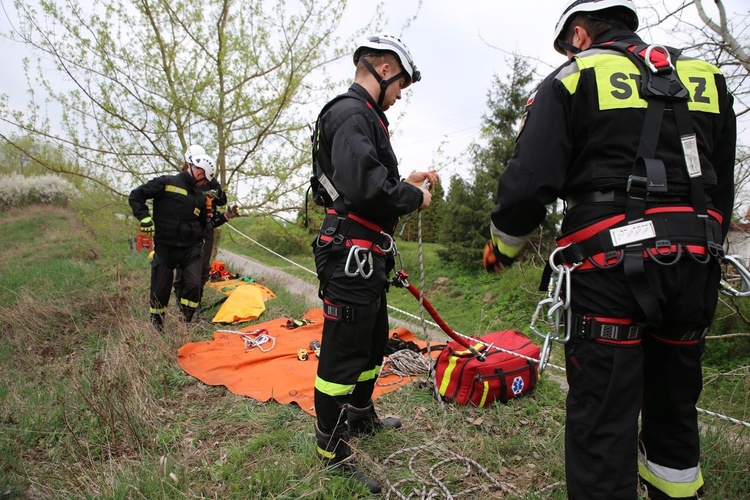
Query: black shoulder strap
x=319, y=177
x=660, y=86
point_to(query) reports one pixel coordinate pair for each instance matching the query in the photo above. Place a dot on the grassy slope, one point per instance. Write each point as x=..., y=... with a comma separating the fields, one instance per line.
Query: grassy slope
x=93, y=403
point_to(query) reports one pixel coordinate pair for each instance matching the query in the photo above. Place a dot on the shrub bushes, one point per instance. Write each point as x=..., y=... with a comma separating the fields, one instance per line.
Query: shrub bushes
x=18, y=191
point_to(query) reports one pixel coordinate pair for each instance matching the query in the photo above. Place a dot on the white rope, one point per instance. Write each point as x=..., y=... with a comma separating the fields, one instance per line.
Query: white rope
x=723, y=417
x=408, y=363
x=407, y=314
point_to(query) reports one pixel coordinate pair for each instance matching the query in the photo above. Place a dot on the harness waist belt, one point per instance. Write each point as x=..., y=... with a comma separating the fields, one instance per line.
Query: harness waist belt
x=612, y=196
x=353, y=227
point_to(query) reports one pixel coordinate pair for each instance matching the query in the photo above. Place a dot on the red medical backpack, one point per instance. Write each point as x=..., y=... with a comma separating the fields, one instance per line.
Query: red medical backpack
x=463, y=379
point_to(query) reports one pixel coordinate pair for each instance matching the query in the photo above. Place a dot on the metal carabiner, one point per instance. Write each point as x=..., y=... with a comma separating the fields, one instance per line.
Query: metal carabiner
x=392, y=244
x=362, y=257
x=744, y=276
x=554, y=253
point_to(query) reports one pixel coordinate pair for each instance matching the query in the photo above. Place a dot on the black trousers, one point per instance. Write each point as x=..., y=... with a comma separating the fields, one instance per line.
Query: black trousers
x=351, y=353
x=208, y=248
x=660, y=378
x=188, y=261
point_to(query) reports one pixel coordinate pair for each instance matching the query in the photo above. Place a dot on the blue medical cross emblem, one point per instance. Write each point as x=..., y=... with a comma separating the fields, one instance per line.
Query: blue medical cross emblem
x=517, y=385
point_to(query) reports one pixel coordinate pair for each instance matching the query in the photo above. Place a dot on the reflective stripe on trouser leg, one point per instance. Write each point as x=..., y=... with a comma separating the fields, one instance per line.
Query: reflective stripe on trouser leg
x=670, y=458
x=162, y=273
x=350, y=367
x=191, y=265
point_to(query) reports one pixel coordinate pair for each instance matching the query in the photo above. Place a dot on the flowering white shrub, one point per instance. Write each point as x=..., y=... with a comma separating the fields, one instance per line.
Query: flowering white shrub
x=17, y=191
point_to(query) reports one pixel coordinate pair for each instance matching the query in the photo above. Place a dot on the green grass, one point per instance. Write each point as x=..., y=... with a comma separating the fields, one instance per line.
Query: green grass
x=94, y=405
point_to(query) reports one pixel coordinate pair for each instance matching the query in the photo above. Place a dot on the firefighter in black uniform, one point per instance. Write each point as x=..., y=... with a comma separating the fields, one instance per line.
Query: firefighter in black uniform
x=179, y=219
x=639, y=141
x=356, y=178
x=215, y=197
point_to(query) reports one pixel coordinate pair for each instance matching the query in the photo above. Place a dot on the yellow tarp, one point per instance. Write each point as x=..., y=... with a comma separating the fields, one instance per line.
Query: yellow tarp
x=243, y=304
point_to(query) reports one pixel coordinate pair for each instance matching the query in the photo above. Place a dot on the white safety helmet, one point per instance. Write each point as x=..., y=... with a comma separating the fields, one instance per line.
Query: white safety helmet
x=205, y=163
x=384, y=41
x=192, y=151
x=576, y=6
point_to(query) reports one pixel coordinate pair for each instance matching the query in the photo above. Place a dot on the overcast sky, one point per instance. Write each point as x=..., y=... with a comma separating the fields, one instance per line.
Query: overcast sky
x=457, y=45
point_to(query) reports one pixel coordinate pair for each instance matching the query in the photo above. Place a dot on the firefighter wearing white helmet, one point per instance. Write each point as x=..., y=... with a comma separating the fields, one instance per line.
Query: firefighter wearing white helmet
x=179, y=219
x=356, y=177
x=639, y=142
x=378, y=44
x=215, y=197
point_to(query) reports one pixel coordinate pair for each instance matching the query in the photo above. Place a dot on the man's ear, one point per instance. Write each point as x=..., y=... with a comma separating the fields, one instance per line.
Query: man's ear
x=383, y=70
x=583, y=38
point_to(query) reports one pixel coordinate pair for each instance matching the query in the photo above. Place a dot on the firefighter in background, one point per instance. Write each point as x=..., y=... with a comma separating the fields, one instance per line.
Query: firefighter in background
x=643, y=156
x=215, y=197
x=178, y=222
x=356, y=178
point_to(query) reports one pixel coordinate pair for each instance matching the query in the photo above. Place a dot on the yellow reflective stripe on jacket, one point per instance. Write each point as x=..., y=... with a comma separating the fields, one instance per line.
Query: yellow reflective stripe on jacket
x=332, y=389
x=675, y=483
x=175, y=189
x=509, y=245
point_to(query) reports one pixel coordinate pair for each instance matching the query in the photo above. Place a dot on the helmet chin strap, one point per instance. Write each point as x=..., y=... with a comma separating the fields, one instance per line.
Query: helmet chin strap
x=383, y=83
x=568, y=47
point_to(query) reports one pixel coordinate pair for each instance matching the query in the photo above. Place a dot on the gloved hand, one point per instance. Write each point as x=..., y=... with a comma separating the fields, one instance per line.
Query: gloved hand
x=233, y=212
x=212, y=193
x=493, y=260
x=147, y=226
x=220, y=218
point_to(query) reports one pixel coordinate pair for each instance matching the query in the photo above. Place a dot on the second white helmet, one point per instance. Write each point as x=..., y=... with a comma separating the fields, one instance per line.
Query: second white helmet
x=205, y=163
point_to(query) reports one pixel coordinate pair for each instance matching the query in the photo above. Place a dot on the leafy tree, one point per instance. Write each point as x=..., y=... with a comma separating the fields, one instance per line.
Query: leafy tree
x=432, y=219
x=466, y=223
x=149, y=77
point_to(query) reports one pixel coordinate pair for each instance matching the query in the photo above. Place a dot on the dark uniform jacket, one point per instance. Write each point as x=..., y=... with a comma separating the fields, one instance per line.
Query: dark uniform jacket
x=179, y=209
x=582, y=130
x=352, y=148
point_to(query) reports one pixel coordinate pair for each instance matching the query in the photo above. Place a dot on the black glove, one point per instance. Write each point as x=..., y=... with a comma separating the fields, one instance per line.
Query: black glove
x=147, y=226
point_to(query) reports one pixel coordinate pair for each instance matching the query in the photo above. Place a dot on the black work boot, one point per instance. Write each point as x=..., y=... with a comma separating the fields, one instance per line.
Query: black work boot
x=365, y=422
x=187, y=313
x=335, y=453
x=158, y=321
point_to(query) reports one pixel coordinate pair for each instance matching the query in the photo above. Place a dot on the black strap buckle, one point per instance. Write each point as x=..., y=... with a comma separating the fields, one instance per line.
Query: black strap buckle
x=590, y=328
x=347, y=314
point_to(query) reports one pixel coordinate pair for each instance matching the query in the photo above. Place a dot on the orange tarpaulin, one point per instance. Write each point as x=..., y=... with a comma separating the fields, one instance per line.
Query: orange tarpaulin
x=276, y=373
